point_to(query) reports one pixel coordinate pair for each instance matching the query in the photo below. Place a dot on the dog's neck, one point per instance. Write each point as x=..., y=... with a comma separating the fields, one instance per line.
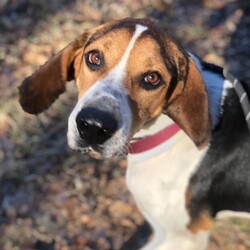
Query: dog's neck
x=154, y=138
x=154, y=126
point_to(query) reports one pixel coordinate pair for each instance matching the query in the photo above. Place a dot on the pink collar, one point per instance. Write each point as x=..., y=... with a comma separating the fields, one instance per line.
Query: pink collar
x=149, y=142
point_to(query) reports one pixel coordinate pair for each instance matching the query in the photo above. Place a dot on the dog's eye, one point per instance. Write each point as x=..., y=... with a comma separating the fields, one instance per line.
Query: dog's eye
x=94, y=59
x=151, y=80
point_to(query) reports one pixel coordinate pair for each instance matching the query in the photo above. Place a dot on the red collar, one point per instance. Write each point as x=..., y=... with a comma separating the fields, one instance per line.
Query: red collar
x=149, y=142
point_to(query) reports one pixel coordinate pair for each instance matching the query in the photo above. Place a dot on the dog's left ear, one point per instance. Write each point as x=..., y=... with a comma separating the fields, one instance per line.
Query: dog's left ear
x=189, y=107
x=39, y=91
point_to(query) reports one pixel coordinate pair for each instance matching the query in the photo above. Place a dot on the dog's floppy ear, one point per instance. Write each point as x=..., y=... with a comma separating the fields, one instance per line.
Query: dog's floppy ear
x=39, y=91
x=190, y=109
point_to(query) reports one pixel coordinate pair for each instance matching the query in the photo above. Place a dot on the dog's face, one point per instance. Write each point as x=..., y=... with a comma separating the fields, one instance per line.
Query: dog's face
x=127, y=73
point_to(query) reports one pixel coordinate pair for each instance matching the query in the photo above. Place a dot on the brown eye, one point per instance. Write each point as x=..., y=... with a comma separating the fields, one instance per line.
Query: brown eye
x=152, y=78
x=151, y=81
x=94, y=58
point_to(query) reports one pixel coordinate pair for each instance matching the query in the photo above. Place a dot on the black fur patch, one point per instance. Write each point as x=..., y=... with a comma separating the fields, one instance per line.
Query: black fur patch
x=222, y=181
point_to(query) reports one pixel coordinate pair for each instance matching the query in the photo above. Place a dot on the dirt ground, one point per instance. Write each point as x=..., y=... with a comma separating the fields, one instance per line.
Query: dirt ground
x=53, y=198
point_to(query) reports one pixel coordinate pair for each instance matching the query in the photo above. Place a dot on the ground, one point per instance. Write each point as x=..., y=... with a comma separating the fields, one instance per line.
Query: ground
x=53, y=198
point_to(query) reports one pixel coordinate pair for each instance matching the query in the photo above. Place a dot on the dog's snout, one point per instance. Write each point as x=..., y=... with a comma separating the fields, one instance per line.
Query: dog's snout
x=95, y=126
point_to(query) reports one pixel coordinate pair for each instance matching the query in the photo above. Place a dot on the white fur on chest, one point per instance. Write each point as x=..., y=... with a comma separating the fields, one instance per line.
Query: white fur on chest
x=159, y=185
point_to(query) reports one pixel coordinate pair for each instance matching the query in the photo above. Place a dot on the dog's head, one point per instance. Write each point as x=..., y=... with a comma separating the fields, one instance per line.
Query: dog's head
x=127, y=73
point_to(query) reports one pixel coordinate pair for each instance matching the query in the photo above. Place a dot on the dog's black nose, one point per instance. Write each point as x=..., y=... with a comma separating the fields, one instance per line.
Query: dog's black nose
x=95, y=126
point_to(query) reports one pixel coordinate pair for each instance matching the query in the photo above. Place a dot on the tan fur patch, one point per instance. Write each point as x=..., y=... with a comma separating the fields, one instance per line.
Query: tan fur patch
x=204, y=222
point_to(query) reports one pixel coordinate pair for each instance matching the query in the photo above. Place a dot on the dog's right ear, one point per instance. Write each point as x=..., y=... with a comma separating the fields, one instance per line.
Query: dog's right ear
x=41, y=89
x=190, y=108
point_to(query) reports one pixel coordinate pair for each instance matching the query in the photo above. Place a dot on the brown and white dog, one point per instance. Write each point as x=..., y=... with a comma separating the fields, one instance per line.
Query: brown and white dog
x=189, y=155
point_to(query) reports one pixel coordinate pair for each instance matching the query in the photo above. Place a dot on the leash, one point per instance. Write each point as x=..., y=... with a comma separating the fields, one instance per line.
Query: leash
x=149, y=142
x=241, y=93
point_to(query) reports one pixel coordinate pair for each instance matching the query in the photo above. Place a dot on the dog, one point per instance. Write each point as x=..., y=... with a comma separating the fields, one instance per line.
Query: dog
x=178, y=119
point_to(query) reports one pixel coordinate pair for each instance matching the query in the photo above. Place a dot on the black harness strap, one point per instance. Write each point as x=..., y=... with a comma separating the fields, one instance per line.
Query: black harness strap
x=242, y=95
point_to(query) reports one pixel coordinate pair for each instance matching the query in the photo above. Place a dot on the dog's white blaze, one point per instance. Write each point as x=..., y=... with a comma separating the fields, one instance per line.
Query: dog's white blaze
x=109, y=89
x=159, y=185
x=118, y=73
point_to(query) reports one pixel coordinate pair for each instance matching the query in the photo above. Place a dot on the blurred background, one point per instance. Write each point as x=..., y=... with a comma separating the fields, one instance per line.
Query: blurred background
x=52, y=198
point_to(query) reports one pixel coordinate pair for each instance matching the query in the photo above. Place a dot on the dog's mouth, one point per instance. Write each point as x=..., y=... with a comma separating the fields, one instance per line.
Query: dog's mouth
x=94, y=151
x=99, y=152
x=91, y=152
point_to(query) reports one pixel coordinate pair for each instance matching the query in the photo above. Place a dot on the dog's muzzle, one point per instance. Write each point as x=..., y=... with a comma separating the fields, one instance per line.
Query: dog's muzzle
x=95, y=127
x=100, y=123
